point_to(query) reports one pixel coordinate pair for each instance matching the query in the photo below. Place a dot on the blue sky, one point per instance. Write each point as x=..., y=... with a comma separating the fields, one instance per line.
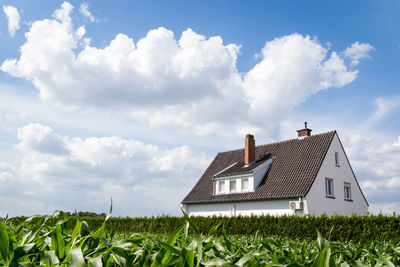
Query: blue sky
x=134, y=99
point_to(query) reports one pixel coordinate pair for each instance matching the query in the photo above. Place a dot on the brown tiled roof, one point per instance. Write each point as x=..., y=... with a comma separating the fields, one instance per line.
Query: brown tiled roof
x=291, y=175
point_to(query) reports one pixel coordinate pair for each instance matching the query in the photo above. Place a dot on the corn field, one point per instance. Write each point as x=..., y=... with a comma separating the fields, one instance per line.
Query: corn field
x=342, y=228
x=48, y=242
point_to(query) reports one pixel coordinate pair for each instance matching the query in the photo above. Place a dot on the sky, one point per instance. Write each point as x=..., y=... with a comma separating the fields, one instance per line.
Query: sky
x=131, y=100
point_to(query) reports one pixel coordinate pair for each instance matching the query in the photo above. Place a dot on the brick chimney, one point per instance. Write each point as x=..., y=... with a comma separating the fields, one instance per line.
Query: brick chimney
x=304, y=132
x=249, y=149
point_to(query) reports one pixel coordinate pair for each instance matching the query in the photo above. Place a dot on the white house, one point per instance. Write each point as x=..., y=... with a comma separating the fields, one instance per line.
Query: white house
x=307, y=175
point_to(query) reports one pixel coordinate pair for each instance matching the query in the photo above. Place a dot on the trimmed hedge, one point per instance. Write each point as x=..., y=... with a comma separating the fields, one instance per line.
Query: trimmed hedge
x=336, y=228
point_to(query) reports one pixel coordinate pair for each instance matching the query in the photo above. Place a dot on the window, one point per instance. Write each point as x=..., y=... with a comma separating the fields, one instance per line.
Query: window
x=245, y=184
x=329, y=187
x=221, y=187
x=337, y=163
x=347, y=191
x=232, y=186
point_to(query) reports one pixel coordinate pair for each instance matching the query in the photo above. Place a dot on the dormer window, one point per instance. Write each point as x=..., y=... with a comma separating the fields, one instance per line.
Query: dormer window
x=232, y=185
x=245, y=184
x=337, y=162
x=229, y=185
x=243, y=176
x=220, y=187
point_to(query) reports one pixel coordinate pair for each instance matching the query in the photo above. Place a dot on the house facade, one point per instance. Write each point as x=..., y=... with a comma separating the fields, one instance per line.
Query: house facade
x=309, y=175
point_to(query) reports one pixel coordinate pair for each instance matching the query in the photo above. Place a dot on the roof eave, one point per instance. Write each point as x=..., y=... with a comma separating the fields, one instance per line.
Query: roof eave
x=232, y=174
x=210, y=201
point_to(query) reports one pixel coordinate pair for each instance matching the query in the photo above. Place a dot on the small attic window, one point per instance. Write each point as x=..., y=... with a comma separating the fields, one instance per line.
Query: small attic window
x=337, y=162
x=221, y=187
x=245, y=184
x=232, y=185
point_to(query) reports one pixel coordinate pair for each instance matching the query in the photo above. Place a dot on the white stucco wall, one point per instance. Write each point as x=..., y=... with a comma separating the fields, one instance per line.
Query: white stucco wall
x=247, y=208
x=316, y=200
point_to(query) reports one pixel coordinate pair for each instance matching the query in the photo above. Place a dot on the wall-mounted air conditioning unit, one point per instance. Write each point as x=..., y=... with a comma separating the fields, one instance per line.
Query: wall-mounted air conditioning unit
x=295, y=205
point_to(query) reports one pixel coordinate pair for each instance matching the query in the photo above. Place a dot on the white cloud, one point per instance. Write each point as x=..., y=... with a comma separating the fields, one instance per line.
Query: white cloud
x=293, y=68
x=358, y=51
x=36, y=137
x=397, y=144
x=7, y=171
x=90, y=170
x=185, y=84
x=16, y=116
x=383, y=106
x=13, y=19
x=382, y=183
x=80, y=32
x=385, y=208
x=120, y=158
x=84, y=9
x=63, y=14
x=376, y=163
x=156, y=69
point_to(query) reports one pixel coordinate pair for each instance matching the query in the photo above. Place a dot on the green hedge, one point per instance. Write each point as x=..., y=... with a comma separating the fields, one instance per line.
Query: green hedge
x=337, y=228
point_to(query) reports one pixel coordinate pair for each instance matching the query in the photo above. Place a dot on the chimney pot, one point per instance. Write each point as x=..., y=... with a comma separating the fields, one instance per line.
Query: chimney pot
x=249, y=149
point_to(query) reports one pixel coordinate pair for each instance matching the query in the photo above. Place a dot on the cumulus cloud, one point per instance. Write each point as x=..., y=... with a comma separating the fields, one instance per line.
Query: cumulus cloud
x=39, y=138
x=378, y=158
x=13, y=19
x=384, y=105
x=292, y=68
x=358, y=51
x=7, y=171
x=157, y=68
x=87, y=171
x=106, y=156
x=185, y=83
x=376, y=163
x=385, y=208
x=84, y=9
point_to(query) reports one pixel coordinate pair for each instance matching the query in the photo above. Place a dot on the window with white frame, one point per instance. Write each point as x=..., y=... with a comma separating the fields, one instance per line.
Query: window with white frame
x=245, y=184
x=232, y=185
x=347, y=191
x=337, y=162
x=221, y=187
x=329, y=187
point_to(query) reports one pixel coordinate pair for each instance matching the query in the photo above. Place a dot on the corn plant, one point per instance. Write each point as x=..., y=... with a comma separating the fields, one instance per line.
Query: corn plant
x=49, y=241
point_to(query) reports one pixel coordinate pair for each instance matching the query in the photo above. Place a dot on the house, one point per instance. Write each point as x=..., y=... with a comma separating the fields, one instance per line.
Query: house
x=307, y=175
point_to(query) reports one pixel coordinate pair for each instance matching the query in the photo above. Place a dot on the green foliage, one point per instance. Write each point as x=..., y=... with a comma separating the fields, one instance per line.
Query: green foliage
x=60, y=241
x=85, y=214
x=336, y=228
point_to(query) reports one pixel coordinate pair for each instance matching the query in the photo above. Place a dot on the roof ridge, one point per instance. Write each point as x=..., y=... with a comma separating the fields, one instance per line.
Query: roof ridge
x=278, y=142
